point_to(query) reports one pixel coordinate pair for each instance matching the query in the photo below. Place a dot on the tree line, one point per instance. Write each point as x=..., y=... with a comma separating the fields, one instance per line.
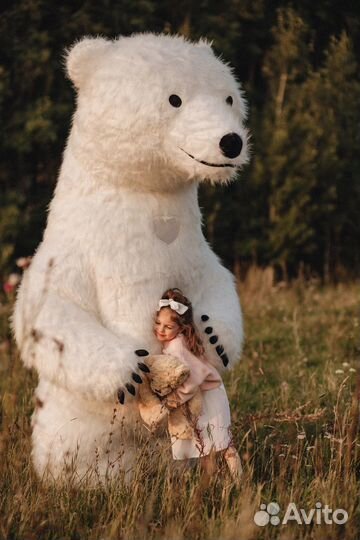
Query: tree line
x=295, y=206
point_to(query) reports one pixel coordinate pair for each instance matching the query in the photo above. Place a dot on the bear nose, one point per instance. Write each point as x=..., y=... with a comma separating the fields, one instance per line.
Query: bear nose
x=231, y=145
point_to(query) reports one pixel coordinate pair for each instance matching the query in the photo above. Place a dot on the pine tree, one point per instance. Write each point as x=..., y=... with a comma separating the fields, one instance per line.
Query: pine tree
x=311, y=127
x=285, y=67
x=297, y=203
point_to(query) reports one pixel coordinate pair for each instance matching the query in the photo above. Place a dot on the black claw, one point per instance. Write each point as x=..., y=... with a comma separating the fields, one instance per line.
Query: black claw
x=225, y=359
x=141, y=352
x=121, y=397
x=219, y=349
x=130, y=388
x=204, y=318
x=137, y=378
x=143, y=367
x=213, y=340
x=208, y=330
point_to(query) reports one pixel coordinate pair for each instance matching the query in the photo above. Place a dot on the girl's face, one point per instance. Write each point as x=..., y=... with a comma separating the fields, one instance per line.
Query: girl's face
x=165, y=329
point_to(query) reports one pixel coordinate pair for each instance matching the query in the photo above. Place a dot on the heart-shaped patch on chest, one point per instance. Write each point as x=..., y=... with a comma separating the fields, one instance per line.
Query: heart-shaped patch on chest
x=166, y=228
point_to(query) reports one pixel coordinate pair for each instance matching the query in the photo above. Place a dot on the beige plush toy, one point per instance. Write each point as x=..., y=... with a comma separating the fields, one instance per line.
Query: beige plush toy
x=156, y=398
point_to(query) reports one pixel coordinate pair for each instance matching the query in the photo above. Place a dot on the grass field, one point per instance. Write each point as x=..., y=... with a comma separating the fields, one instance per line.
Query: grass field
x=295, y=406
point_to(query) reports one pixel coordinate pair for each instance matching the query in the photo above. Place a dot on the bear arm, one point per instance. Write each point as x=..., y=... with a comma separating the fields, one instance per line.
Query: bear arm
x=222, y=330
x=69, y=346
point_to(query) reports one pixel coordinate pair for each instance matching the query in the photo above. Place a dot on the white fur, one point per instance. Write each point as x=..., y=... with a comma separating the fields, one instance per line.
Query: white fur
x=87, y=300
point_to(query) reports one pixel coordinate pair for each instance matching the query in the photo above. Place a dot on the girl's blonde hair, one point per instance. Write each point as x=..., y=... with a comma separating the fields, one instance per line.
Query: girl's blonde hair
x=185, y=321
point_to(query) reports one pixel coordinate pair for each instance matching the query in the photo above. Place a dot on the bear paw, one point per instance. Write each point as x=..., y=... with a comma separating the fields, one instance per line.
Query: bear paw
x=213, y=339
x=135, y=377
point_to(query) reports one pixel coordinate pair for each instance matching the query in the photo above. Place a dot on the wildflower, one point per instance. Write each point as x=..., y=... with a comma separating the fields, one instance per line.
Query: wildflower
x=8, y=288
x=4, y=346
x=301, y=436
x=339, y=371
x=352, y=370
x=11, y=283
x=23, y=262
x=345, y=364
x=14, y=279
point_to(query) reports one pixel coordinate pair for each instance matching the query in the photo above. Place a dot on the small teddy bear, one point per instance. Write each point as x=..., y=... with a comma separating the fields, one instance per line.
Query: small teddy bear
x=156, y=398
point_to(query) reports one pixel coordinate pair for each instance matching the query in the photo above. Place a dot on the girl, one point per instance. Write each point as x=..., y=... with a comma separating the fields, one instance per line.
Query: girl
x=175, y=329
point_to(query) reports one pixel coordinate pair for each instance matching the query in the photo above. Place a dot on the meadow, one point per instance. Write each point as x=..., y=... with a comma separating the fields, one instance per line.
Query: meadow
x=295, y=406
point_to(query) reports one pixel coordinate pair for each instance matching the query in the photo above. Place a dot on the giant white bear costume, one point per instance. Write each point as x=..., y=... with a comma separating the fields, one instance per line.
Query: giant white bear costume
x=155, y=115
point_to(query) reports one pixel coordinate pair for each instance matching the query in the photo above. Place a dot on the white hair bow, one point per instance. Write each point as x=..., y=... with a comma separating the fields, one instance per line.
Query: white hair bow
x=175, y=306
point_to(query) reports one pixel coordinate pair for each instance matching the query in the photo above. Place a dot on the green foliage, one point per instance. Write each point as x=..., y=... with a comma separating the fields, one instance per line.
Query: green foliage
x=296, y=204
x=311, y=158
x=9, y=218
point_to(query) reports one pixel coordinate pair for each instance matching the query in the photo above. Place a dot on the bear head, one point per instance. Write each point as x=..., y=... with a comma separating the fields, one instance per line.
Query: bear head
x=156, y=112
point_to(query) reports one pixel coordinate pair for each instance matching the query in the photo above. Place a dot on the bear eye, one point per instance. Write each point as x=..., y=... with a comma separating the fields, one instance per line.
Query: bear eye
x=229, y=100
x=175, y=100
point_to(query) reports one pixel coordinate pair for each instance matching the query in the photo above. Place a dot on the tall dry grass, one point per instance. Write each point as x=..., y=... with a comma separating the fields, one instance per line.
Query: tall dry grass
x=295, y=405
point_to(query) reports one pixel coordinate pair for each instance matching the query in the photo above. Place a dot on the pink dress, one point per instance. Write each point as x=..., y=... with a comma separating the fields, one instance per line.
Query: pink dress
x=213, y=425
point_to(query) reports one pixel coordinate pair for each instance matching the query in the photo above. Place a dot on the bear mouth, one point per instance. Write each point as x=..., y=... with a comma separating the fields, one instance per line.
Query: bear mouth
x=207, y=163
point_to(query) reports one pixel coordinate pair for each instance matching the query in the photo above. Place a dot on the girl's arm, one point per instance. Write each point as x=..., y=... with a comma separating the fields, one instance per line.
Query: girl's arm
x=199, y=372
x=182, y=394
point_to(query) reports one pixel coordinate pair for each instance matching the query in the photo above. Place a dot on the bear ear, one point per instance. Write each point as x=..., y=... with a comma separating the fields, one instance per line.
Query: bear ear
x=204, y=43
x=83, y=56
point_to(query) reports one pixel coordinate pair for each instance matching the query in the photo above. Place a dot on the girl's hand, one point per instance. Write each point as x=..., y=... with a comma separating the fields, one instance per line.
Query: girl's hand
x=171, y=401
